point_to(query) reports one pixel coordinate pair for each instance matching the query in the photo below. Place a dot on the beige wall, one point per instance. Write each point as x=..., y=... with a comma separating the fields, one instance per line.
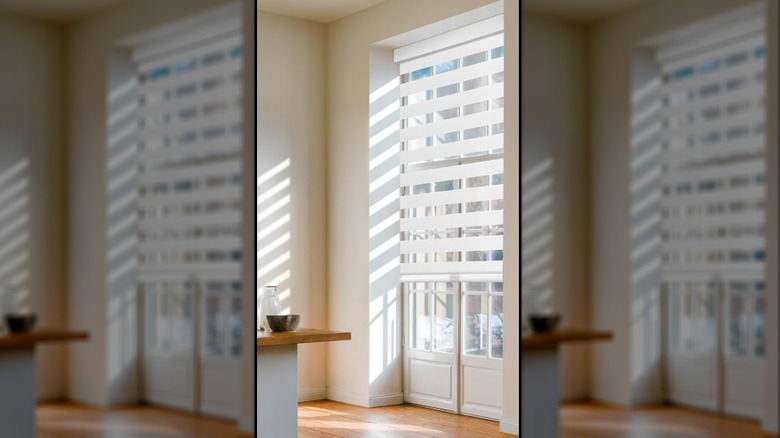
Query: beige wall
x=32, y=179
x=555, y=170
x=96, y=376
x=291, y=128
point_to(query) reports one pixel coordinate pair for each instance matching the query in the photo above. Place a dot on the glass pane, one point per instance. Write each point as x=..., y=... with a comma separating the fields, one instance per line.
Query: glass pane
x=180, y=320
x=497, y=327
x=213, y=338
x=420, y=312
x=153, y=327
x=759, y=342
x=235, y=327
x=444, y=332
x=475, y=340
x=737, y=334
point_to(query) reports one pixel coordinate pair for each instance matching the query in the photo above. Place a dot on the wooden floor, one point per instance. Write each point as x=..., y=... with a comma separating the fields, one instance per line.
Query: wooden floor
x=327, y=419
x=70, y=420
x=590, y=420
x=323, y=419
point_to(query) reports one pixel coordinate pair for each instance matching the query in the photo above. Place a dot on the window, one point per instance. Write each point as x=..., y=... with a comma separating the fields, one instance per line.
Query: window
x=452, y=188
x=190, y=190
x=713, y=188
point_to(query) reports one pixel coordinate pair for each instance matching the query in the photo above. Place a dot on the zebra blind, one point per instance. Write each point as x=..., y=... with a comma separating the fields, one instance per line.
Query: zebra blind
x=713, y=200
x=452, y=156
x=713, y=153
x=190, y=140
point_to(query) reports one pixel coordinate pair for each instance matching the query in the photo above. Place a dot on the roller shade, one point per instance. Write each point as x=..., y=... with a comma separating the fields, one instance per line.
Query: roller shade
x=452, y=157
x=713, y=155
x=190, y=169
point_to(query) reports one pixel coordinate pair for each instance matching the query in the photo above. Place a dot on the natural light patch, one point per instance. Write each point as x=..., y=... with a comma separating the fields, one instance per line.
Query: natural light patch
x=15, y=236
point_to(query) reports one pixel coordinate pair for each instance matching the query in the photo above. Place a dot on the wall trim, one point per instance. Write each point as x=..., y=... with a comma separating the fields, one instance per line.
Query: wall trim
x=349, y=398
x=386, y=400
x=510, y=427
x=306, y=395
x=771, y=425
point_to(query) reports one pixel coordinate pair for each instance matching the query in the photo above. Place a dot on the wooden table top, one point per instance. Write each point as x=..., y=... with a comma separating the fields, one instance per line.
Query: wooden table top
x=35, y=336
x=556, y=337
x=300, y=336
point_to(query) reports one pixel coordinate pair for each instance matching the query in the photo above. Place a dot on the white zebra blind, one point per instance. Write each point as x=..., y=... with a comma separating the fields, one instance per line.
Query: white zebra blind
x=190, y=169
x=713, y=116
x=452, y=97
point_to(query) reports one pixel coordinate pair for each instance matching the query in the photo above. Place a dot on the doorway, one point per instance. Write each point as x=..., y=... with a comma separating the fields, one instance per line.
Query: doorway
x=453, y=346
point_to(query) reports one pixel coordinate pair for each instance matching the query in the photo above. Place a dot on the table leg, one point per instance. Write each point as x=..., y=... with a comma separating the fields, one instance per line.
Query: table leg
x=540, y=394
x=277, y=391
x=17, y=392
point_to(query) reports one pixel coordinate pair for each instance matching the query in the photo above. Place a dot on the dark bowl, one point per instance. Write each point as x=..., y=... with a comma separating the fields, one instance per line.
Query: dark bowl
x=542, y=323
x=20, y=322
x=283, y=323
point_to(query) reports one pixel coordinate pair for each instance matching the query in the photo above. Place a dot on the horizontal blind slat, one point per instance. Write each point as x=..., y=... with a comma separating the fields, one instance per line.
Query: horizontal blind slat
x=440, y=222
x=482, y=94
x=461, y=74
x=454, y=149
x=480, y=168
x=200, y=196
x=453, y=197
x=222, y=69
x=171, y=174
x=752, y=193
x=751, y=167
x=227, y=118
x=723, y=220
x=451, y=267
x=199, y=244
x=223, y=145
x=156, y=224
x=713, y=244
x=456, y=244
x=228, y=93
x=485, y=118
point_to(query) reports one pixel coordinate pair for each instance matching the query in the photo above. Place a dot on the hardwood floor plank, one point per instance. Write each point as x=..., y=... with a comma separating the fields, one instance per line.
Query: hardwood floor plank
x=594, y=420
x=72, y=420
x=333, y=419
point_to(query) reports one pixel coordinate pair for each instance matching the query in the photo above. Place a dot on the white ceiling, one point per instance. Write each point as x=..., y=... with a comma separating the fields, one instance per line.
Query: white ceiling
x=323, y=11
x=580, y=10
x=55, y=10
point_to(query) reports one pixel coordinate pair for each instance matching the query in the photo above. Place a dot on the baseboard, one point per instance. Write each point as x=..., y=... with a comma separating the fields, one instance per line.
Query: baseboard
x=348, y=398
x=386, y=400
x=312, y=395
x=247, y=425
x=771, y=426
x=509, y=427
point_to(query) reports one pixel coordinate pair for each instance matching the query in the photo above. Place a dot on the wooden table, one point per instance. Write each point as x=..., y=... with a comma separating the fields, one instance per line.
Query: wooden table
x=540, y=395
x=17, y=378
x=277, y=378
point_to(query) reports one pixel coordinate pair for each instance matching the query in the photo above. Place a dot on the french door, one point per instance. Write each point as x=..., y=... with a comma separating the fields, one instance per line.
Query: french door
x=716, y=345
x=192, y=353
x=453, y=345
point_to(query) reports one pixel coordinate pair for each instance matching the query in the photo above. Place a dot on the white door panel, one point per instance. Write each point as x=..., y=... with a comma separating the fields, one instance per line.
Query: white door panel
x=453, y=350
x=482, y=387
x=430, y=374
